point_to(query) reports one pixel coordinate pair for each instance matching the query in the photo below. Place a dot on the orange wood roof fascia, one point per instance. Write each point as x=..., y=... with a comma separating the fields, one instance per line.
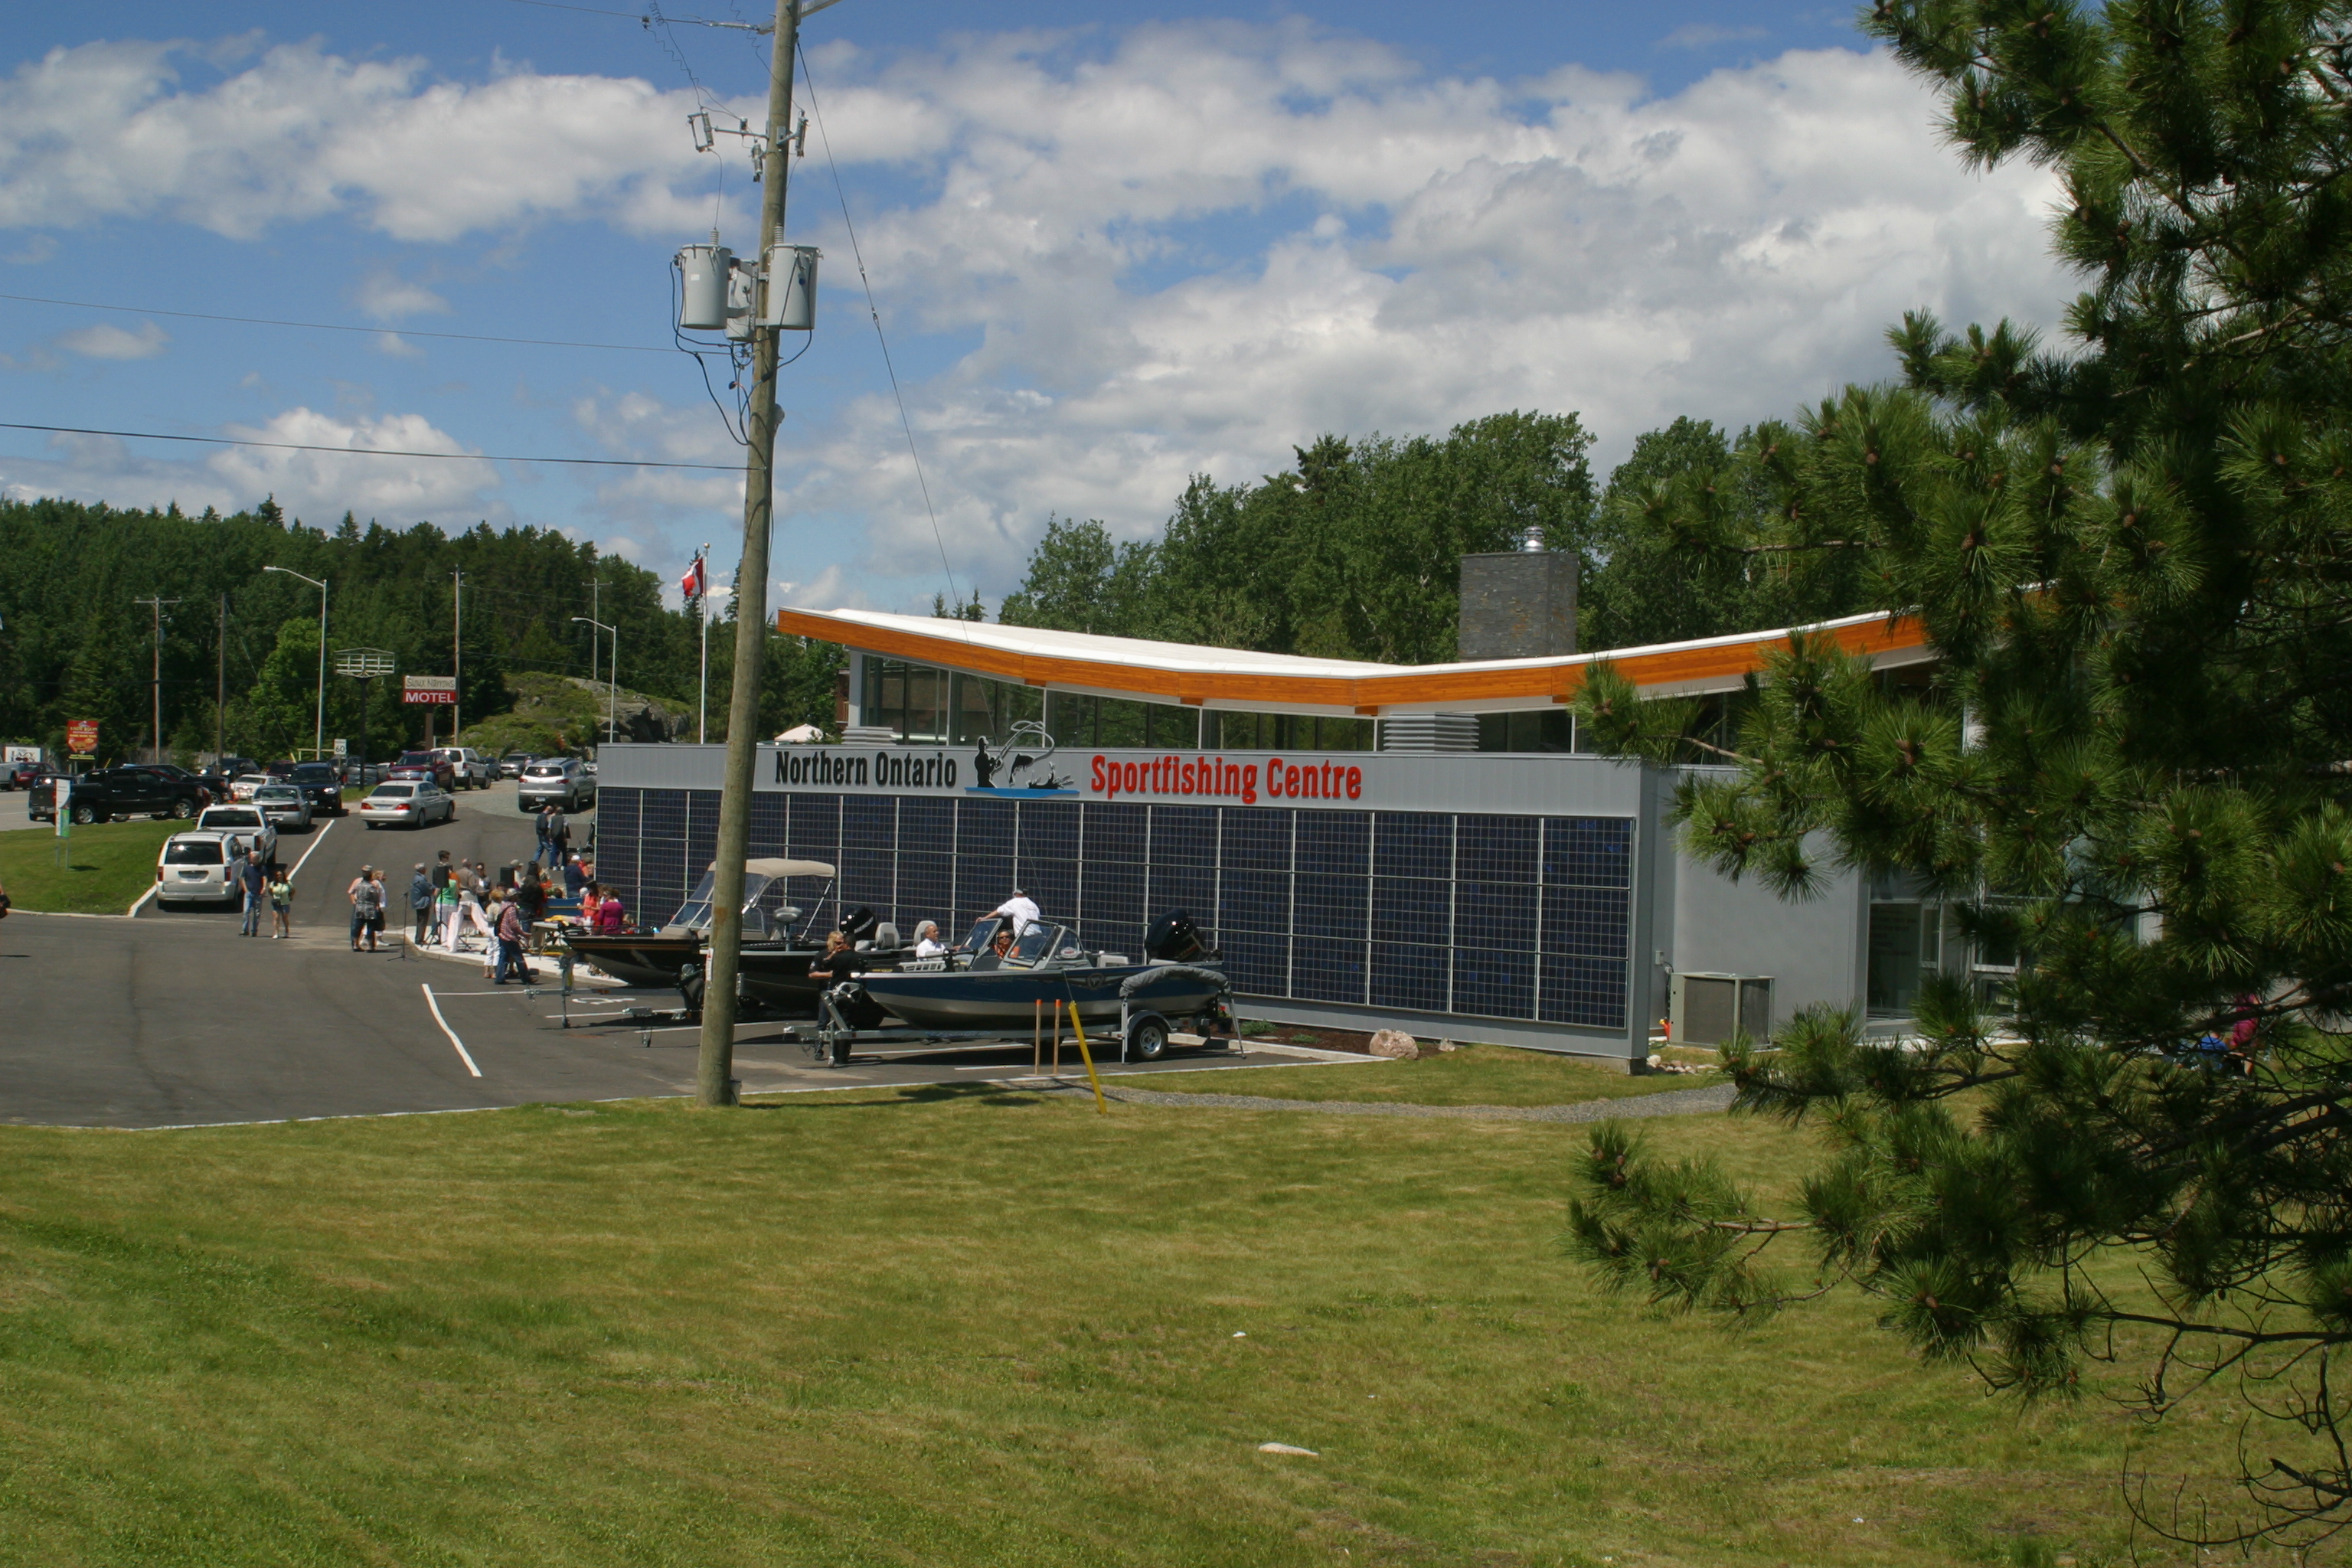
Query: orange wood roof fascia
x=1195, y=687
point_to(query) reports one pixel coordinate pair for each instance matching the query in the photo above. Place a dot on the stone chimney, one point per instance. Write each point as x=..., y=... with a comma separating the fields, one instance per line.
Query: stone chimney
x=1518, y=604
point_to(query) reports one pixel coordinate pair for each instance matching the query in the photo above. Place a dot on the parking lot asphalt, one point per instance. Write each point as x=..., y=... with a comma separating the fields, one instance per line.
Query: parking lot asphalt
x=174, y=1019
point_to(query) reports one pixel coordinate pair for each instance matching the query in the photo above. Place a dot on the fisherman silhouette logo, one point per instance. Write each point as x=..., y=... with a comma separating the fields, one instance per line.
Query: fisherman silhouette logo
x=1025, y=762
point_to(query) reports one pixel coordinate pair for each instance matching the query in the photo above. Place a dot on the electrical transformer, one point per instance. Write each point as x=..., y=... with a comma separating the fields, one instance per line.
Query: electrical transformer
x=702, y=306
x=792, y=287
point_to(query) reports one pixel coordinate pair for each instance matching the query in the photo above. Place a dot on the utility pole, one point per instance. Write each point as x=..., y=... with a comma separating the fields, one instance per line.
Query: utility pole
x=457, y=653
x=220, y=689
x=702, y=615
x=155, y=687
x=319, y=739
x=715, y=1065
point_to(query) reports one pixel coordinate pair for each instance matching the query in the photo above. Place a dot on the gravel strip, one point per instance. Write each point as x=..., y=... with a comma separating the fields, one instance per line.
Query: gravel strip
x=1671, y=1102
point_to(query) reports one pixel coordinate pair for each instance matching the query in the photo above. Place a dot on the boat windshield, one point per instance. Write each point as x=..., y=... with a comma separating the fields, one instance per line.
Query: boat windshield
x=983, y=932
x=1039, y=942
x=695, y=913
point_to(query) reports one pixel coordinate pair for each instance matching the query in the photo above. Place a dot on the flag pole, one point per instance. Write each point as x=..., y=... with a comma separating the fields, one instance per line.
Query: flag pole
x=702, y=614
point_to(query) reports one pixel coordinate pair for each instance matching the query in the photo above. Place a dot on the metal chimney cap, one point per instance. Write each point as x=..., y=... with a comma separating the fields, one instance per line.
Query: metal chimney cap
x=1531, y=541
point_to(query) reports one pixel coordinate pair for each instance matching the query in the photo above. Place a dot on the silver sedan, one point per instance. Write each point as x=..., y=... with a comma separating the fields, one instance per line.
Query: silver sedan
x=285, y=805
x=408, y=803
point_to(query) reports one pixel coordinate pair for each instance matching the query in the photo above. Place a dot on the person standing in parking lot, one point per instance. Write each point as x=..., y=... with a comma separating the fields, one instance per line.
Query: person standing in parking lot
x=558, y=836
x=367, y=910
x=253, y=881
x=420, y=905
x=281, y=904
x=510, y=933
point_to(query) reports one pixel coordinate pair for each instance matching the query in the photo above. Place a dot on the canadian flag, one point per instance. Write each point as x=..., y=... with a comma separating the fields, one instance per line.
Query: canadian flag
x=691, y=583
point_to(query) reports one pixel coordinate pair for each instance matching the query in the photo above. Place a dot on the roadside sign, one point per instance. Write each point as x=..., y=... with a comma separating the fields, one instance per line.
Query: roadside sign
x=61, y=803
x=82, y=735
x=20, y=754
x=429, y=689
x=343, y=748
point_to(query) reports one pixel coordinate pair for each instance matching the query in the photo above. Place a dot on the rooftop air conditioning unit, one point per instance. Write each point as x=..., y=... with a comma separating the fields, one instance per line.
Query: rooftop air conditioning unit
x=1708, y=1009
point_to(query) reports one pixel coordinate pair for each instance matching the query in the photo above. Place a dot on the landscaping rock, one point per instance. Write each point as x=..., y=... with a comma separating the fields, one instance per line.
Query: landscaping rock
x=1394, y=1043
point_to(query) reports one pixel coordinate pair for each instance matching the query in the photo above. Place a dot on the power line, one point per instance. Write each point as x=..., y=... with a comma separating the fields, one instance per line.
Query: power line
x=332, y=326
x=372, y=451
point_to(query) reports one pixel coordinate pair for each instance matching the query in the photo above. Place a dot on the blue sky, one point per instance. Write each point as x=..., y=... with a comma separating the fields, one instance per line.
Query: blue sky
x=1113, y=245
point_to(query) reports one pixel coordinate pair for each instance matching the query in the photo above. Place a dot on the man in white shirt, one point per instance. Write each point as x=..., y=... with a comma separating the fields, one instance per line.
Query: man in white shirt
x=927, y=940
x=1022, y=907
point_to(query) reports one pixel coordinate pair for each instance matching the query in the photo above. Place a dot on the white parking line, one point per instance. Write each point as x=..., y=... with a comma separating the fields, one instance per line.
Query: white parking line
x=445, y=1029
x=317, y=839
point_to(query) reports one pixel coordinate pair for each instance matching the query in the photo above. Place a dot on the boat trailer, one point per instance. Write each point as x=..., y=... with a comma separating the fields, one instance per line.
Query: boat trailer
x=1144, y=1035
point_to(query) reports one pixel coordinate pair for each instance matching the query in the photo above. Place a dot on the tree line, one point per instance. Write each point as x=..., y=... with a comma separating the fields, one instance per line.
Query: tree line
x=1352, y=552
x=239, y=645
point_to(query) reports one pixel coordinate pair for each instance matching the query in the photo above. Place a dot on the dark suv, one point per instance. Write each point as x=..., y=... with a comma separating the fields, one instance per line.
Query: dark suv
x=425, y=765
x=117, y=791
x=320, y=787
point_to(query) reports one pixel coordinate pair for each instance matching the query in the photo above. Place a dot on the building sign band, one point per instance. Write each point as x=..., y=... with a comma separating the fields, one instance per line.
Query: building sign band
x=1022, y=768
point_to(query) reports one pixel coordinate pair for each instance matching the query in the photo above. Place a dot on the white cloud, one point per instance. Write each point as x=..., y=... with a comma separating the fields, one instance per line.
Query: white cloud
x=397, y=490
x=107, y=341
x=1443, y=249
x=388, y=297
x=105, y=130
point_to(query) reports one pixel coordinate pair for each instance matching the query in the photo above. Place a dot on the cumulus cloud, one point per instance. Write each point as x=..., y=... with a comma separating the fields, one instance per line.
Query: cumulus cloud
x=107, y=341
x=397, y=491
x=107, y=129
x=1441, y=248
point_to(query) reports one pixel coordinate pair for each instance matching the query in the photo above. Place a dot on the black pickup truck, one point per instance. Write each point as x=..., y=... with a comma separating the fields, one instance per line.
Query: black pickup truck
x=113, y=793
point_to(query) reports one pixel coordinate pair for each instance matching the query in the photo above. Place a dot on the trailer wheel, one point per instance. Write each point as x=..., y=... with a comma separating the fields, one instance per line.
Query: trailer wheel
x=1147, y=1039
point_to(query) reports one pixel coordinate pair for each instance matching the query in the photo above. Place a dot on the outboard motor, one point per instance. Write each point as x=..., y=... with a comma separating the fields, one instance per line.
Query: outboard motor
x=1174, y=937
x=859, y=927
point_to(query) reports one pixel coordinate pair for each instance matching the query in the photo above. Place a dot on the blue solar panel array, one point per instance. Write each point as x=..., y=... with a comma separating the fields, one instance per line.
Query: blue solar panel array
x=1491, y=916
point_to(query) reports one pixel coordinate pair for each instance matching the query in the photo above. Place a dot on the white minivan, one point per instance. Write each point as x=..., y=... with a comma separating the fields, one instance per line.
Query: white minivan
x=195, y=866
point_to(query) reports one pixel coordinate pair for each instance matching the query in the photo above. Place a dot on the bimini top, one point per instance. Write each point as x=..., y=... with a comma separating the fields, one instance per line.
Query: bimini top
x=1236, y=678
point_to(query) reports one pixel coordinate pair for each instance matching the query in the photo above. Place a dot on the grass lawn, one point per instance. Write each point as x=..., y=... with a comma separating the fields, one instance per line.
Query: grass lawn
x=107, y=866
x=1474, y=1074
x=952, y=1326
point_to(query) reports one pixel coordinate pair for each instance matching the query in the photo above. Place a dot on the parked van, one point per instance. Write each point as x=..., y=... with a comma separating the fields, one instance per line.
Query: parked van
x=195, y=866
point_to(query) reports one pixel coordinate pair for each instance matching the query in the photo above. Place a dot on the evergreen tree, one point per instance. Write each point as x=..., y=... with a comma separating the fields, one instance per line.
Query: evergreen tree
x=2135, y=559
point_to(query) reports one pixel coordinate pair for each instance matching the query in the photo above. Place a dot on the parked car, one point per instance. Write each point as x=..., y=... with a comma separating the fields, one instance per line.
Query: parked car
x=111, y=793
x=512, y=765
x=284, y=804
x=429, y=766
x=555, y=781
x=19, y=776
x=244, y=827
x=193, y=866
x=468, y=768
x=408, y=803
x=322, y=784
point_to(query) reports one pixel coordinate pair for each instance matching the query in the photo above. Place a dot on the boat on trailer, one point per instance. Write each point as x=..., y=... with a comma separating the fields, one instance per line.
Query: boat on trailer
x=976, y=988
x=659, y=958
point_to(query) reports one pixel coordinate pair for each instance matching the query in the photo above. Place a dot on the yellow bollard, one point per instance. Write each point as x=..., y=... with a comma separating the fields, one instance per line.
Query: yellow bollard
x=1080, y=1030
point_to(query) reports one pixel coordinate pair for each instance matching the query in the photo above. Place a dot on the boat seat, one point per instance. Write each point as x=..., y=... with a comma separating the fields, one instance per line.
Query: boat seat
x=885, y=935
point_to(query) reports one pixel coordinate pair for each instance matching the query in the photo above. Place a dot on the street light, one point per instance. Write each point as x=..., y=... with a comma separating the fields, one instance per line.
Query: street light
x=318, y=735
x=612, y=686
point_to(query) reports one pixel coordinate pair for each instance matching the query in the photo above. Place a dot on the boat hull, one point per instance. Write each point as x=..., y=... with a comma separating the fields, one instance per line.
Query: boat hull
x=649, y=960
x=1009, y=998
